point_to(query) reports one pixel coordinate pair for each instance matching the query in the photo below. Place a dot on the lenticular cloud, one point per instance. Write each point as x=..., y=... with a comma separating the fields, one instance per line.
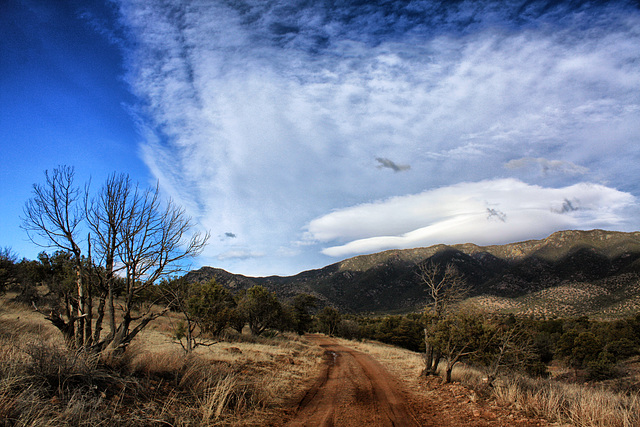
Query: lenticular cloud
x=489, y=212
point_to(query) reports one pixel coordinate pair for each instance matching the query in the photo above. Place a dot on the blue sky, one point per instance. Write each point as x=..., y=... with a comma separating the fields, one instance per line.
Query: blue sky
x=304, y=132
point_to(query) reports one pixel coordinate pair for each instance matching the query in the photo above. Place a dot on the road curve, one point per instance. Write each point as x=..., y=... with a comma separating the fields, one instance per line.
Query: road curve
x=353, y=390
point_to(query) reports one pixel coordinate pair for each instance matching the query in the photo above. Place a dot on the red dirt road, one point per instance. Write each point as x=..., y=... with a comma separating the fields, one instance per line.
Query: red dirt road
x=354, y=390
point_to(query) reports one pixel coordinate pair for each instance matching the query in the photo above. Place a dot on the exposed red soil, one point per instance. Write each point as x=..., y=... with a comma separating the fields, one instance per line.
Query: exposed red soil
x=355, y=390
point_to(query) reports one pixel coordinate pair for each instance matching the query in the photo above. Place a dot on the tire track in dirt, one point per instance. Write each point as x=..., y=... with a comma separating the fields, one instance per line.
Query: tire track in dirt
x=353, y=390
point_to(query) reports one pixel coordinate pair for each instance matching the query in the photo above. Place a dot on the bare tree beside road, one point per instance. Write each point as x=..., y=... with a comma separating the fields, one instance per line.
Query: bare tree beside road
x=133, y=240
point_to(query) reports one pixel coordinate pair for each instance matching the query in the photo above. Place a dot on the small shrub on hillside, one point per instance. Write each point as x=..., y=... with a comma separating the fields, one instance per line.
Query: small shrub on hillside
x=622, y=348
x=602, y=368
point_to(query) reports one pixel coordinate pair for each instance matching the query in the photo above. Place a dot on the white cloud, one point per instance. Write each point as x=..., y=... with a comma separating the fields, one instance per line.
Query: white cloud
x=547, y=166
x=458, y=214
x=239, y=254
x=265, y=116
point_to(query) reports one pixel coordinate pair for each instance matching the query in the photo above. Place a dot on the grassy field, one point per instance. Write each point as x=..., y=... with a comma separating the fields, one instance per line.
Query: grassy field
x=242, y=381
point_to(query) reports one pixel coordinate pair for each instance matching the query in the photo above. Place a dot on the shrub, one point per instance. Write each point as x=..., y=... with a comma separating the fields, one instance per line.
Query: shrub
x=602, y=368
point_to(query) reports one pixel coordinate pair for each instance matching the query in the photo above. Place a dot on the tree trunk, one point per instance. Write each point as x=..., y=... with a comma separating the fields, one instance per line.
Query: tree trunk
x=428, y=360
x=117, y=342
x=100, y=317
x=429, y=356
x=189, y=348
x=112, y=310
x=80, y=290
x=447, y=378
x=67, y=328
x=109, y=276
x=88, y=321
x=435, y=362
x=88, y=305
x=450, y=364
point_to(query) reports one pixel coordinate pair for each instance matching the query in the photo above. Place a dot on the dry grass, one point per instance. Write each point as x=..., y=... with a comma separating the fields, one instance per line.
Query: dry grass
x=567, y=404
x=245, y=382
x=574, y=404
x=242, y=381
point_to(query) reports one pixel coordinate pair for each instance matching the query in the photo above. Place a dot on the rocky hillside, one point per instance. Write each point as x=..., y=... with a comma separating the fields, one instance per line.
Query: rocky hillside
x=568, y=273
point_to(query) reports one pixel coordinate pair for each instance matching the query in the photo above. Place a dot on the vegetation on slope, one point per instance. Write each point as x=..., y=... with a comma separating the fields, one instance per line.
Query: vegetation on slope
x=529, y=277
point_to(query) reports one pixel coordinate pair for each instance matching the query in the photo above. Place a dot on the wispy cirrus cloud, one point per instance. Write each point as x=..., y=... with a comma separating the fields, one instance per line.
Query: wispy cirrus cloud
x=261, y=116
x=547, y=166
x=239, y=254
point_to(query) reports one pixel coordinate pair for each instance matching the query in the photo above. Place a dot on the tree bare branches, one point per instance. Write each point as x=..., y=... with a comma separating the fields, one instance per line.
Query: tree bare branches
x=52, y=218
x=445, y=286
x=135, y=239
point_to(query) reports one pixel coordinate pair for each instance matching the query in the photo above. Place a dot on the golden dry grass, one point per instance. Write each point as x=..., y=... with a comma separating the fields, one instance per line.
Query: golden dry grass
x=154, y=383
x=565, y=404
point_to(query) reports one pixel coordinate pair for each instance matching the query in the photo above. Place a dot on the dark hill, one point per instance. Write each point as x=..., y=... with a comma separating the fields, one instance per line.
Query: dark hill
x=570, y=272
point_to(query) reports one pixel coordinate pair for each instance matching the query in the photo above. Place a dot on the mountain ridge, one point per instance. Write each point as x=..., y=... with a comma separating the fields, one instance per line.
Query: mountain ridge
x=510, y=275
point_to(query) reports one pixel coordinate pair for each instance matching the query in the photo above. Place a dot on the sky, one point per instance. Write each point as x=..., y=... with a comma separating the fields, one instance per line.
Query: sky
x=300, y=133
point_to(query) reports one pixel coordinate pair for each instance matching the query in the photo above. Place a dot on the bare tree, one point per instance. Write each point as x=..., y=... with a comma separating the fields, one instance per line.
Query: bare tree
x=510, y=347
x=445, y=287
x=52, y=218
x=152, y=239
x=136, y=240
x=106, y=215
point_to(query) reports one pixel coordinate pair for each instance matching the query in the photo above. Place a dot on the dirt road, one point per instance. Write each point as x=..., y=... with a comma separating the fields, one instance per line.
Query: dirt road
x=354, y=390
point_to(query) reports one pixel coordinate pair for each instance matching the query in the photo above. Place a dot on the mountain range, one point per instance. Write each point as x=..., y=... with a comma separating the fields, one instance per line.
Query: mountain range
x=569, y=273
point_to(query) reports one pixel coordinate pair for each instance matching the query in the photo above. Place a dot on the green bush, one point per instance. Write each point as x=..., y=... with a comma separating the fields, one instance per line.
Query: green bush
x=602, y=368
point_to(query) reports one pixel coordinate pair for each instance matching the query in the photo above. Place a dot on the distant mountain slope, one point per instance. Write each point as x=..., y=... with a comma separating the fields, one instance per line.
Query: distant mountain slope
x=570, y=272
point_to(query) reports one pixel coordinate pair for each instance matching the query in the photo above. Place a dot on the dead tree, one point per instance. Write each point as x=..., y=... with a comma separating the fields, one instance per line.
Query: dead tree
x=136, y=240
x=52, y=218
x=154, y=244
x=106, y=215
x=150, y=241
x=510, y=347
x=445, y=286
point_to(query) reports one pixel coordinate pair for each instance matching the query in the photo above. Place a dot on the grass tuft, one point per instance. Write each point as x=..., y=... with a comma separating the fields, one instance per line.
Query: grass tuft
x=574, y=404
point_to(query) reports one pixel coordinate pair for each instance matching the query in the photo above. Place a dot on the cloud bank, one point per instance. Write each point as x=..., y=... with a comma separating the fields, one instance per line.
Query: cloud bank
x=485, y=213
x=261, y=116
